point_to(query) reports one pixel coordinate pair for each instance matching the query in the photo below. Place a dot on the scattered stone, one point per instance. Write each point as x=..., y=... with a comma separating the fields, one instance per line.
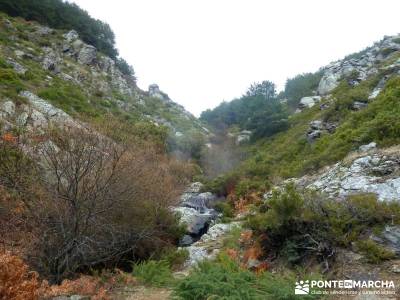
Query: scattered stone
x=396, y=268
x=308, y=102
x=313, y=135
x=368, y=147
x=324, y=106
x=71, y=36
x=8, y=107
x=186, y=240
x=18, y=68
x=22, y=119
x=317, y=127
x=44, y=30
x=357, y=105
x=51, y=60
x=8, y=24
x=19, y=54
x=391, y=238
x=243, y=137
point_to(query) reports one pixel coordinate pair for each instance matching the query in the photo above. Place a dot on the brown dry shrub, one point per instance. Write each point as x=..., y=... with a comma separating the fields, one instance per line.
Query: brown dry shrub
x=16, y=281
x=92, y=202
x=84, y=285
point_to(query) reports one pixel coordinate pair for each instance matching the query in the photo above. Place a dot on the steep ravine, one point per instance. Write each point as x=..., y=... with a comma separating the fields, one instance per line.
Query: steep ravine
x=205, y=231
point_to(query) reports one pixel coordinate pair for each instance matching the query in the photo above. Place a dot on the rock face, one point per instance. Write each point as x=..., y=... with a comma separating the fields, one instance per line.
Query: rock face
x=96, y=77
x=390, y=238
x=377, y=173
x=378, y=88
x=43, y=110
x=155, y=92
x=38, y=115
x=359, y=67
x=87, y=55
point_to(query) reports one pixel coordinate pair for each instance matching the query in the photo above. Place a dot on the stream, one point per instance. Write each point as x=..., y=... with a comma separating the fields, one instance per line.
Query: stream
x=203, y=238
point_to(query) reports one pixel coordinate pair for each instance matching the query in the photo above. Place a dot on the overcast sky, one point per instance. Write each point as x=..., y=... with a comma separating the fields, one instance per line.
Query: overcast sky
x=206, y=51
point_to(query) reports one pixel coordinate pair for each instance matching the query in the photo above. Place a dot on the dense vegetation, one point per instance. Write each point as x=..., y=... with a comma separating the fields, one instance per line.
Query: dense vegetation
x=225, y=279
x=289, y=154
x=258, y=110
x=64, y=15
x=91, y=201
x=299, y=226
x=300, y=86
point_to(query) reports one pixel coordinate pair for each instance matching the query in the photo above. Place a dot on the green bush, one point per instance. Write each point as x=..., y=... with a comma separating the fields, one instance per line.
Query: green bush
x=222, y=184
x=11, y=81
x=301, y=86
x=175, y=257
x=155, y=273
x=299, y=225
x=224, y=279
x=69, y=98
x=373, y=252
x=226, y=209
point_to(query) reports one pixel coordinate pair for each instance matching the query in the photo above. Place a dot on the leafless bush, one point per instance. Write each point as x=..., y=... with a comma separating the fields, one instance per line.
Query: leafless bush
x=95, y=202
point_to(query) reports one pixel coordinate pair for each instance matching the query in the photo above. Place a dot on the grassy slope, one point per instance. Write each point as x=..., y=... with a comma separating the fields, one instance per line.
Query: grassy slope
x=289, y=154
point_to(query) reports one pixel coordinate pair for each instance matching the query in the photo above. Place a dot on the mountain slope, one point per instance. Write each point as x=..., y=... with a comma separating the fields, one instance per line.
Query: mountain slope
x=356, y=102
x=62, y=70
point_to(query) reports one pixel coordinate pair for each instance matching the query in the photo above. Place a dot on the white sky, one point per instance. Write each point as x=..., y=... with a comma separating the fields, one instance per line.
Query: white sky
x=206, y=51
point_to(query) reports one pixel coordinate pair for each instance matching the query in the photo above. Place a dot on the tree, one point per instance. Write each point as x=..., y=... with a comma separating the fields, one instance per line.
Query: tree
x=266, y=89
x=64, y=15
x=301, y=86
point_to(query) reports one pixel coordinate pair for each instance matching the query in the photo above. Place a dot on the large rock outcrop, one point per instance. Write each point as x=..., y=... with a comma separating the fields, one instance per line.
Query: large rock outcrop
x=196, y=211
x=359, y=67
x=373, y=171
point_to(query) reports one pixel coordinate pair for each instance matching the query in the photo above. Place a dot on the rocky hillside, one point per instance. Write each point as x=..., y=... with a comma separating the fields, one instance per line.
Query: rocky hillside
x=52, y=76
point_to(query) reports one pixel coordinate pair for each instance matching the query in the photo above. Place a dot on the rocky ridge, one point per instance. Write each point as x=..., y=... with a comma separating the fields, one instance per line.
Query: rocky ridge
x=59, y=57
x=382, y=57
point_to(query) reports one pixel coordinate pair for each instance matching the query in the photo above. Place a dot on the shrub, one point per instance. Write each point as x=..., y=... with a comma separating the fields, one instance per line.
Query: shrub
x=303, y=225
x=92, y=201
x=16, y=281
x=175, y=257
x=152, y=272
x=373, y=252
x=301, y=86
x=225, y=209
x=68, y=98
x=224, y=279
